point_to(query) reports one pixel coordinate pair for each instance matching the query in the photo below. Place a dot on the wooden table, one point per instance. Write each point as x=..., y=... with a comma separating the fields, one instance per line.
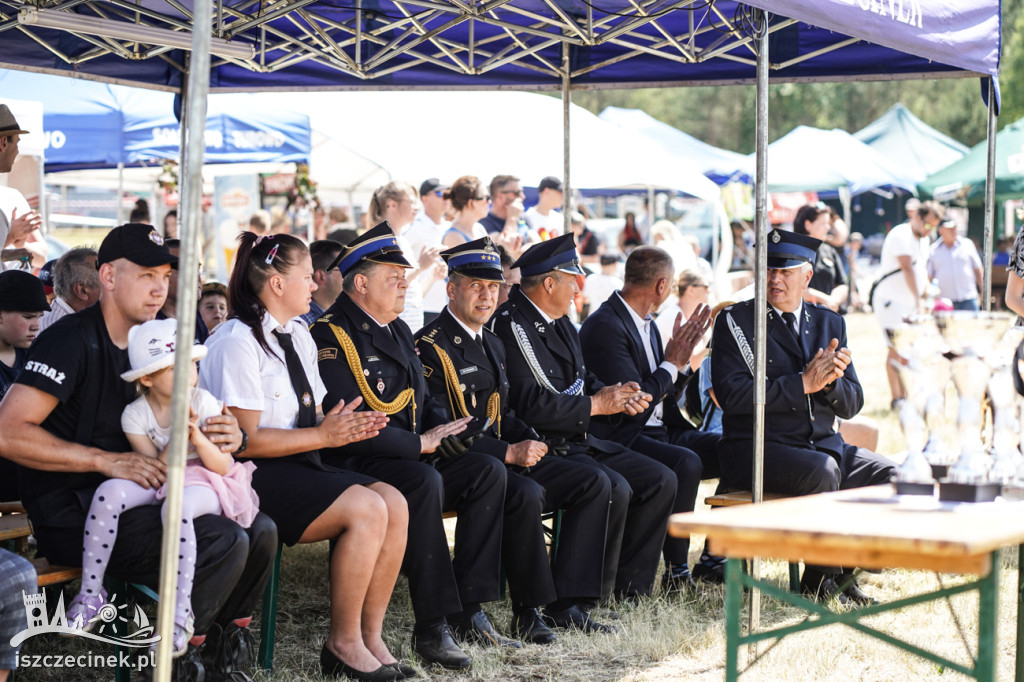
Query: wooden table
x=866, y=528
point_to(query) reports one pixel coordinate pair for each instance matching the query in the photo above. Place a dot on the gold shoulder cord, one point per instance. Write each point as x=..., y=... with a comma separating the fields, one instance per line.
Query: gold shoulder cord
x=373, y=402
x=455, y=391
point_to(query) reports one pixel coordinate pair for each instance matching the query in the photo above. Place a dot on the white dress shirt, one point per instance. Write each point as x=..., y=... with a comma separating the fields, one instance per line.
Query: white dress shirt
x=643, y=327
x=240, y=373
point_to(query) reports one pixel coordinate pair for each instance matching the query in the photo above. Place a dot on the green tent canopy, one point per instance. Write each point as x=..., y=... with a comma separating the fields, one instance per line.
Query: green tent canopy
x=964, y=180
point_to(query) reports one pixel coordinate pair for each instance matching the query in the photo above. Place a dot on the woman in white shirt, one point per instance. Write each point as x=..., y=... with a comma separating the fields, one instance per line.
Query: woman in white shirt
x=262, y=364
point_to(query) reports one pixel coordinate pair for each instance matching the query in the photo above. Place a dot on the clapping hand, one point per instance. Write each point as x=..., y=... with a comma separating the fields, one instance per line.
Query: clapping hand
x=687, y=336
x=430, y=440
x=343, y=425
x=827, y=365
x=628, y=398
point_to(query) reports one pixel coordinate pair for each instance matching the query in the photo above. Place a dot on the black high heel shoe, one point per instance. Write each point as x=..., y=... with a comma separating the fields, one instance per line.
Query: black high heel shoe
x=332, y=666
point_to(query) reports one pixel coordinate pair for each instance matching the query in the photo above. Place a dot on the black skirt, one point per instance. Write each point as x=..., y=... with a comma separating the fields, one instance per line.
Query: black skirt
x=295, y=490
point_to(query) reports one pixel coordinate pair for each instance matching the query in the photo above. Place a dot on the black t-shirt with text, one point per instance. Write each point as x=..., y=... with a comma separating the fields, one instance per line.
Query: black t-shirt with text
x=76, y=362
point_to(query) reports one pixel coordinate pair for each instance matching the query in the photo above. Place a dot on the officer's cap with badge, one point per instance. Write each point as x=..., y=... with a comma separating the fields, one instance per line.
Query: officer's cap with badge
x=141, y=244
x=377, y=245
x=477, y=259
x=790, y=250
x=554, y=254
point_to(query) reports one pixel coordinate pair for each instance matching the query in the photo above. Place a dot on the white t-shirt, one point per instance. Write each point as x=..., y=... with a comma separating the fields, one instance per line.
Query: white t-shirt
x=10, y=200
x=138, y=418
x=412, y=315
x=424, y=233
x=598, y=287
x=240, y=373
x=552, y=222
x=893, y=300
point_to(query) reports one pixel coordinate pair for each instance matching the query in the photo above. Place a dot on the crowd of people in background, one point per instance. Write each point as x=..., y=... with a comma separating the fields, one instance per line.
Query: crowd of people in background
x=462, y=353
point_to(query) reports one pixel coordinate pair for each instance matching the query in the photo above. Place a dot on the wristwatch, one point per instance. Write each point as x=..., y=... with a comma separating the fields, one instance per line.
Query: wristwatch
x=245, y=443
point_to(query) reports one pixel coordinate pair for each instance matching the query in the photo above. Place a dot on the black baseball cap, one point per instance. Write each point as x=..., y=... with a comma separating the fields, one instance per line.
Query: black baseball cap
x=550, y=182
x=46, y=275
x=431, y=185
x=22, y=292
x=141, y=244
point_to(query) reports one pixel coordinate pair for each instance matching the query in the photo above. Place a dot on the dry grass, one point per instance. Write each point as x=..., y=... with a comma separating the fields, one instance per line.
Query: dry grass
x=669, y=638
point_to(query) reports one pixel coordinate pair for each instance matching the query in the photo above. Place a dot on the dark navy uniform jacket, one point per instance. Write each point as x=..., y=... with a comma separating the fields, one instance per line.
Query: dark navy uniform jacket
x=791, y=417
x=614, y=351
x=480, y=373
x=556, y=347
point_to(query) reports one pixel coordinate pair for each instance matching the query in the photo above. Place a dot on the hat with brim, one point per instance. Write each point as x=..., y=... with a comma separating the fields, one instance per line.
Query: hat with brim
x=8, y=124
x=141, y=244
x=151, y=348
x=554, y=254
x=377, y=245
x=791, y=250
x=477, y=259
x=22, y=292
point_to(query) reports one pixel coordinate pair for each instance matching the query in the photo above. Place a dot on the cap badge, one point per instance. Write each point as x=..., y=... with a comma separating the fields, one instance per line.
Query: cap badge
x=776, y=237
x=155, y=237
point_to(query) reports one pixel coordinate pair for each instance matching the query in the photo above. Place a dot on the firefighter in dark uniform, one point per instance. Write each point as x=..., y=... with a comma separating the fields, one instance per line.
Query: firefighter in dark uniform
x=810, y=380
x=552, y=391
x=365, y=352
x=465, y=368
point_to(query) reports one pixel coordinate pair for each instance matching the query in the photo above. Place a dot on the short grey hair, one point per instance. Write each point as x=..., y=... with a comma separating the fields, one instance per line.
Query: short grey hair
x=73, y=268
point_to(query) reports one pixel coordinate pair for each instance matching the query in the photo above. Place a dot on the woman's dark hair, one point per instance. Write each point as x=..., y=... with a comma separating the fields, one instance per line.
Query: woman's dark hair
x=807, y=214
x=258, y=258
x=464, y=190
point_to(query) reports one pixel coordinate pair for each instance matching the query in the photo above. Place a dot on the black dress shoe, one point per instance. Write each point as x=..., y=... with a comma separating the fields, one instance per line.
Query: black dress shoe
x=576, y=618
x=435, y=644
x=408, y=672
x=478, y=628
x=848, y=582
x=710, y=569
x=332, y=666
x=824, y=590
x=528, y=626
x=677, y=579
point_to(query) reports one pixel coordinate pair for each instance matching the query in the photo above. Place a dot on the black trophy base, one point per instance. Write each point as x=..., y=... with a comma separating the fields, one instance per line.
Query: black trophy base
x=909, y=488
x=940, y=471
x=968, y=492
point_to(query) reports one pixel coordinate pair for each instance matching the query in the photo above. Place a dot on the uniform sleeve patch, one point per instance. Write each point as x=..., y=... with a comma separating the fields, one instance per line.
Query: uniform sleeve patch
x=327, y=354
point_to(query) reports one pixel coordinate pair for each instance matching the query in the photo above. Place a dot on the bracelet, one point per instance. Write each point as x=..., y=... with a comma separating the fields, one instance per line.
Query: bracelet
x=244, y=445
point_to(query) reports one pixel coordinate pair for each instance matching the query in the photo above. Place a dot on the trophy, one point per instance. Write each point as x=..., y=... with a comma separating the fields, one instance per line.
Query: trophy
x=974, y=339
x=1006, y=457
x=915, y=341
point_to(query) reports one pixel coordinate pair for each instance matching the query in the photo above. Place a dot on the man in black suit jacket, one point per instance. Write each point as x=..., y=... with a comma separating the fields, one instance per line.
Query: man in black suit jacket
x=621, y=343
x=365, y=350
x=465, y=368
x=810, y=381
x=553, y=392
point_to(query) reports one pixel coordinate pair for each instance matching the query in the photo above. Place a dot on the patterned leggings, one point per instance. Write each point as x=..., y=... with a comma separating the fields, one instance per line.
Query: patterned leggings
x=117, y=495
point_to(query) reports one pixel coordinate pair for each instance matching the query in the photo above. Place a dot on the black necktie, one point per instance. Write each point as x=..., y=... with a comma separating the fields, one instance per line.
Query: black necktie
x=300, y=384
x=656, y=348
x=790, y=319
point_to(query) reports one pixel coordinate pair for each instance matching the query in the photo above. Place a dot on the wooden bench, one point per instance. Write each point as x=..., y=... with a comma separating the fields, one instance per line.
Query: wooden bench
x=48, y=574
x=741, y=497
x=14, y=526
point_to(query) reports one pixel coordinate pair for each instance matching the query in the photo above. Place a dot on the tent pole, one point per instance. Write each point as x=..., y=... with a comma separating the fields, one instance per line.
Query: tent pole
x=188, y=269
x=990, y=197
x=120, y=192
x=760, y=290
x=566, y=104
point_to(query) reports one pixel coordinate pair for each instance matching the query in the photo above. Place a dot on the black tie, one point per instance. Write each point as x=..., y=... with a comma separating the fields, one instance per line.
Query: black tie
x=655, y=341
x=790, y=319
x=300, y=384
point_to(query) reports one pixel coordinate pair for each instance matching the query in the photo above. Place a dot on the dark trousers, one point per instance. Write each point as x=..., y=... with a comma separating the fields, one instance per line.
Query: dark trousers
x=693, y=456
x=642, y=494
x=232, y=563
x=583, y=491
x=474, y=486
x=791, y=470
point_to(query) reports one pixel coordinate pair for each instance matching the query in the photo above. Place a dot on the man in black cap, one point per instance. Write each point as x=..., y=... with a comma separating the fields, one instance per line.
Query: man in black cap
x=465, y=368
x=810, y=381
x=22, y=303
x=61, y=422
x=426, y=234
x=366, y=351
x=17, y=221
x=543, y=218
x=552, y=391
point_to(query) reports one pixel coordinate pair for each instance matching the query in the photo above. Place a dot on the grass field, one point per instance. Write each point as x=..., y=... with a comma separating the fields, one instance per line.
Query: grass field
x=666, y=638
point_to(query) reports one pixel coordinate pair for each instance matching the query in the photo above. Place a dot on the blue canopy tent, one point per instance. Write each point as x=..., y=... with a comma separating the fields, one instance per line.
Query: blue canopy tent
x=95, y=125
x=906, y=140
x=719, y=165
x=527, y=44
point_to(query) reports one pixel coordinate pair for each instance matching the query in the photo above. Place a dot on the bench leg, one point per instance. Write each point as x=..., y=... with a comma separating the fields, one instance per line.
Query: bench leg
x=268, y=620
x=794, y=577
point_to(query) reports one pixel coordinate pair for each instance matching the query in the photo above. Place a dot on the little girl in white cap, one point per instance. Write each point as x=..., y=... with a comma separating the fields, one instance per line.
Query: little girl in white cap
x=214, y=482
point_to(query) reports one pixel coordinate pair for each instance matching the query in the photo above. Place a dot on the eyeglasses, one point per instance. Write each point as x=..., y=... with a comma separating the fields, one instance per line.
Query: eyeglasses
x=486, y=197
x=517, y=192
x=439, y=194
